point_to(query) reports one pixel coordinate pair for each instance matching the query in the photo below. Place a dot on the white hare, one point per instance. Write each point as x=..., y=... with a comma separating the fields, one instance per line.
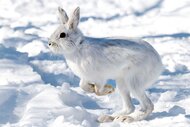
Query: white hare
x=133, y=64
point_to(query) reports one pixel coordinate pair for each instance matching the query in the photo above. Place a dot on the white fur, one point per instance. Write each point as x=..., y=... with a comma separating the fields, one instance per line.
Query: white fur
x=133, y=63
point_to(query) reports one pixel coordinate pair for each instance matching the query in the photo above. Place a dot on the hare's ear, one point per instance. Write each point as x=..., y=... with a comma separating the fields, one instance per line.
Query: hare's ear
x=62, y=15
x=75, y=18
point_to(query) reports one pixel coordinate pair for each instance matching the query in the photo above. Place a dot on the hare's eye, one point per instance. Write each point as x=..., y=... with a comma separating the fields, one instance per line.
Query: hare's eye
x=62, y=35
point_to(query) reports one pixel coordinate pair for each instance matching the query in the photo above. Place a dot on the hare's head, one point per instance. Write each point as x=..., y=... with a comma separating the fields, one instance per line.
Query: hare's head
x=67, y=37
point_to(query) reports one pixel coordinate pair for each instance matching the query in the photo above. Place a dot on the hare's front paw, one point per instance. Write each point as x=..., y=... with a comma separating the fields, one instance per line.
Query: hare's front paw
x=86, y=86
x=93, y=88
x=89, y=88
x=121, y=118
x=127, y=119
x=105, y=118
x=108, y=89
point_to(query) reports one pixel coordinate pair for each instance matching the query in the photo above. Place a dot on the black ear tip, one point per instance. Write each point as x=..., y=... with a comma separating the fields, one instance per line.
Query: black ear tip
x=60, y=9
x=77, y=9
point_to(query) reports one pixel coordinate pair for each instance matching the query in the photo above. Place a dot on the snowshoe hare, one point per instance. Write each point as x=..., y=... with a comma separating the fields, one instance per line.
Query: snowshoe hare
x=134, y=65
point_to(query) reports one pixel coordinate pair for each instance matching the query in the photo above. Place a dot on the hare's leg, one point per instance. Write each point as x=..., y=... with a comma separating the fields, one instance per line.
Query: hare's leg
x=146, y=105
x=86, y=86
x=125, y=96
x=135, y=88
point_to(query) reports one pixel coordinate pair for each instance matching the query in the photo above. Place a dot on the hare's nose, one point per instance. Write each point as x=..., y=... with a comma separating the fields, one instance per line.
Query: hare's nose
x=49, y=43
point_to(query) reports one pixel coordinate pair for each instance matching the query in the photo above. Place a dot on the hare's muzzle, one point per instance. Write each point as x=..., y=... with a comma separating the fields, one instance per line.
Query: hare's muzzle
x=51, y=43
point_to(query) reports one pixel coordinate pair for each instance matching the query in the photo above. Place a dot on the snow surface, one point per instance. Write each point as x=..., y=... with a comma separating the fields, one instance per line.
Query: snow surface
x=37, y=89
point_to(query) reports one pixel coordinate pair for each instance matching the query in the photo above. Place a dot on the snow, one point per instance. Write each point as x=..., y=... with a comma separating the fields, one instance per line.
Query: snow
x=37, y=89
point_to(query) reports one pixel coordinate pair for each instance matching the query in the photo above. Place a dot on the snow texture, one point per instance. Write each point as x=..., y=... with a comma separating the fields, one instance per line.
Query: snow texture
x=37, y=89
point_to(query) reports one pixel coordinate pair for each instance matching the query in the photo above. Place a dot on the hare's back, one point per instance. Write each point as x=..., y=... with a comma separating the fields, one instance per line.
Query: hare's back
x=119, y=49
x=121, y=43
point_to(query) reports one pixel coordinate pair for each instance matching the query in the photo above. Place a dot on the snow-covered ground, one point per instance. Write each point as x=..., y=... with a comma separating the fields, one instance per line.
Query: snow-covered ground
x=37, y=89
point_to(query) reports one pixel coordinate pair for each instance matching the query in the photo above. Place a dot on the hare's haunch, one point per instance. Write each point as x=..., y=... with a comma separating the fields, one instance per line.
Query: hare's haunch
x=134, y=64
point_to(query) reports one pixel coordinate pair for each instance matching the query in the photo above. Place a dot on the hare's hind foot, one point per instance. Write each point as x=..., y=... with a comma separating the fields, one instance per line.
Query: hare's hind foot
x=108, y=89
x=105, y=118
x=140, y=115
x=121, y=118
